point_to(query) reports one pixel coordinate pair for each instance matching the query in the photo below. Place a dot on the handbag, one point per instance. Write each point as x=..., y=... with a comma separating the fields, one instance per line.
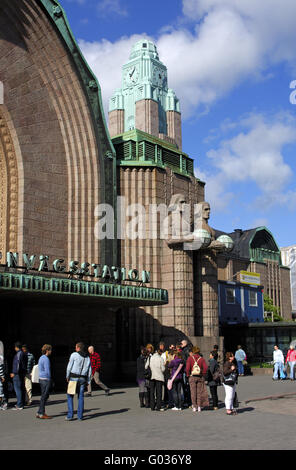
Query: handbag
x=230, y=379
x=72, y=384
x=35, y=374
x=170, y=381
x=148, y=372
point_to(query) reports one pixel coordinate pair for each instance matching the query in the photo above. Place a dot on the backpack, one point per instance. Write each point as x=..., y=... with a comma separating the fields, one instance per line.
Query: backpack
x=196, y=369
x=218, y=375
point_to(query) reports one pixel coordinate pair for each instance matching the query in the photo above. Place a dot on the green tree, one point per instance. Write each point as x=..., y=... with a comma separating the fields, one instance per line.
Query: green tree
x=269, y=307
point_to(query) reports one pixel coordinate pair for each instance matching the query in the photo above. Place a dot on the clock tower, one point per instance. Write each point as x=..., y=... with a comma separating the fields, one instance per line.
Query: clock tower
x=144, y=101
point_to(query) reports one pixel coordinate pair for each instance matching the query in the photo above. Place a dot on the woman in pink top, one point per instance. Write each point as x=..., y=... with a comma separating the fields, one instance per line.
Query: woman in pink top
x=291, y=360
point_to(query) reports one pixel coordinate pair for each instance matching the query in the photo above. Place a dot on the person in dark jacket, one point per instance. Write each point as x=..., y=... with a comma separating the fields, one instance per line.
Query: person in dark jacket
x=230, y=388
x=141, y=379
x=213, y=367
x=19, y=370
x=186, y=348
x=178, y=380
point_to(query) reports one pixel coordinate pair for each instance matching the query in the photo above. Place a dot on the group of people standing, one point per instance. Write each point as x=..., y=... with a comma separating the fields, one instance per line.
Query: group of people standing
x=83, y=366
x=178, y=377
x=280, y=365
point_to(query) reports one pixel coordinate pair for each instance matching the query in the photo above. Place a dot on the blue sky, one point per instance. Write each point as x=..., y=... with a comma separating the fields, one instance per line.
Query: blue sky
x=230, y=63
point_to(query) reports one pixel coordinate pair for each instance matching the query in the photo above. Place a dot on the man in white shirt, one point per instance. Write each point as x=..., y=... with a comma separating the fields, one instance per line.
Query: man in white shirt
x=278, y=361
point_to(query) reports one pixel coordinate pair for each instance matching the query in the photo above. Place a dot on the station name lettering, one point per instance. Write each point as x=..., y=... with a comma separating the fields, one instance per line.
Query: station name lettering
x=113, y=273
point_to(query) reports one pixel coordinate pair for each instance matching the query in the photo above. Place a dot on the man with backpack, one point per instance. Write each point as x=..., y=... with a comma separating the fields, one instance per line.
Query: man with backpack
x=196, y=370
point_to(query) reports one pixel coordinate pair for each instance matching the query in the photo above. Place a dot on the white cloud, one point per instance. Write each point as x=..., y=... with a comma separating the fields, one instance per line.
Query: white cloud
x=219, y=45
x=254, y=156
x=107, y=7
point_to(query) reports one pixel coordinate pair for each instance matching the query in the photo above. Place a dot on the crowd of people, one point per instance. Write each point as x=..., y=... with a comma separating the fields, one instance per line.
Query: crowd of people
x=83, y=367
x=177, y=378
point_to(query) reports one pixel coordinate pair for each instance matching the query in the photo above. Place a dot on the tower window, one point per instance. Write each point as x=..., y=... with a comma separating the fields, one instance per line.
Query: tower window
x=144, y=45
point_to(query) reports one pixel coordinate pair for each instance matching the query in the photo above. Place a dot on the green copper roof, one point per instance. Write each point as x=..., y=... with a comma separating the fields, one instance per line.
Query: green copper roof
x=137, y=148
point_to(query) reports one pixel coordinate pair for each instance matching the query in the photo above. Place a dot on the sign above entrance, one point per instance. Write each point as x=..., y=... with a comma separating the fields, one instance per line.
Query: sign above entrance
x=246, y=277
x=74, y=268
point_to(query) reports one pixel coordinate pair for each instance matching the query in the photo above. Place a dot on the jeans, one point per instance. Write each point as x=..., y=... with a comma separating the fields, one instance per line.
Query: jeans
x=44, y=386
x=177, y=392
x=19, y=388
x=155, y=385
x=81, y=383
x=278, y=368
x=240, y=367
x=214, y=395
x=291, y=366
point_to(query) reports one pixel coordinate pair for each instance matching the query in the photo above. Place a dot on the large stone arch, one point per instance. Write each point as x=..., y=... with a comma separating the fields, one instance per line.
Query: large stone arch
x=9, y=189
x=67, y=159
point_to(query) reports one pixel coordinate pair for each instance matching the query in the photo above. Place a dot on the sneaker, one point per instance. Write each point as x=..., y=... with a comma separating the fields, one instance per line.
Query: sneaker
x=69, y=419
x=194, y=409
x=4, y=406
x=175, y=408
x=199, y=409
x=18, y=408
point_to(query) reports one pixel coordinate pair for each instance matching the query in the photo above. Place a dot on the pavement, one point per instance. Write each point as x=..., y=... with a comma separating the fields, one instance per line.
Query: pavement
x=116, y=422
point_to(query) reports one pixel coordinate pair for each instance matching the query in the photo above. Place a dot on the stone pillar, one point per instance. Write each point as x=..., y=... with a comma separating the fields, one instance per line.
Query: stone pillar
x=174, y=129
x=116, y=122
x=147, y=119
x=183, y=291
x=206, y=294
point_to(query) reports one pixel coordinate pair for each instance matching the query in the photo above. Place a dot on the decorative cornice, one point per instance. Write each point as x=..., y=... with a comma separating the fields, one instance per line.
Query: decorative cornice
x=71, y=287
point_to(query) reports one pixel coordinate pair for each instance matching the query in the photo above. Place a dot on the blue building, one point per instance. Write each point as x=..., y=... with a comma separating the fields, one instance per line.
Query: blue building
x=240, y=303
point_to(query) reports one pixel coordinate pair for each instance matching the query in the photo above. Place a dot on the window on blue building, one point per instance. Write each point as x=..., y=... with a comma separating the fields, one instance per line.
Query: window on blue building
x=230, y=295
x=253, y=299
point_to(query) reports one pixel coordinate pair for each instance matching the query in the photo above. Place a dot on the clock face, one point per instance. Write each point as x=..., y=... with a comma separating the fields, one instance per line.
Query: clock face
x=158, y=76
x=131, y=76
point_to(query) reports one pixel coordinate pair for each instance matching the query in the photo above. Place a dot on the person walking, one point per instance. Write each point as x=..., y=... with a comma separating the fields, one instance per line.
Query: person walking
x=95, y=360
x=212, y=383
x=157, y=367
x=19, y=370
x=291, y=360
x=44, y=367
x=177, y=367
x=230, y=374
x=240, y=356
x=278, y=361
x=78, y=374
x=3, y=379
x=28, y=376
x=141, y=379
x=196, y=369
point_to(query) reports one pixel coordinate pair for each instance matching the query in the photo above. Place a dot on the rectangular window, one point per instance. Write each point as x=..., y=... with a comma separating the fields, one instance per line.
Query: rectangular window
x=230, y=295
x=253, y=300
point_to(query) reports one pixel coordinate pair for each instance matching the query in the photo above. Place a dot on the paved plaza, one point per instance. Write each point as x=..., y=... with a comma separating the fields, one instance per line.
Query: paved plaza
x=116, y=422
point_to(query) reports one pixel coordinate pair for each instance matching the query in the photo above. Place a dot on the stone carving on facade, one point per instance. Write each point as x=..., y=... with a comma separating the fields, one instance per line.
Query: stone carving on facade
x=196, y=236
